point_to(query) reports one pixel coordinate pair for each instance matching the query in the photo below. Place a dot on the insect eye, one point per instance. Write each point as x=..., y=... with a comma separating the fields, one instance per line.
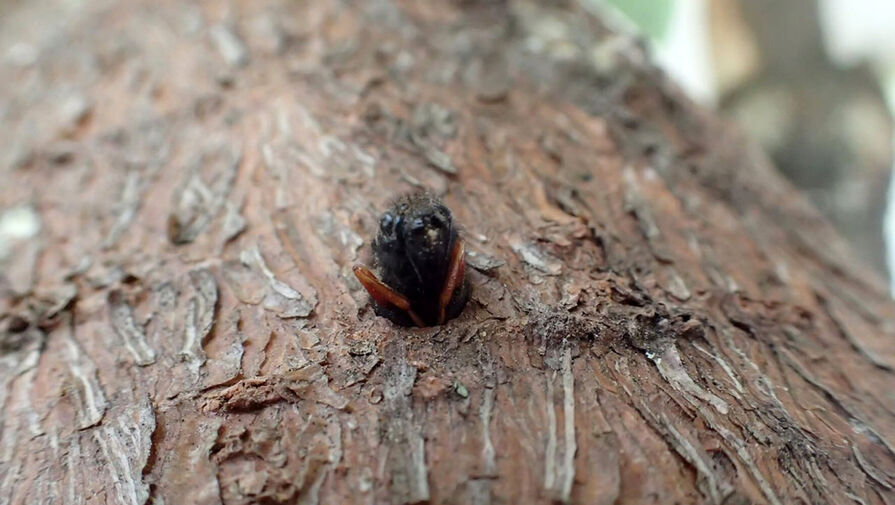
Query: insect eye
x=437, y=221
x=418, y=226
x=386, y=223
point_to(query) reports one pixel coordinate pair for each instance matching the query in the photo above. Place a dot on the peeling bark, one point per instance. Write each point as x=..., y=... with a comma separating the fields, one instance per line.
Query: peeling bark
x=656, y=316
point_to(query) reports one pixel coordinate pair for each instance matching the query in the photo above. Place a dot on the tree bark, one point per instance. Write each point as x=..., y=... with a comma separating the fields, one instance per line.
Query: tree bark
x=656, y=316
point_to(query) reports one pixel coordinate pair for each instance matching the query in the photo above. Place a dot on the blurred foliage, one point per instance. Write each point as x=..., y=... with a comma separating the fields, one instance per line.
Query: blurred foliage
x=651, y=16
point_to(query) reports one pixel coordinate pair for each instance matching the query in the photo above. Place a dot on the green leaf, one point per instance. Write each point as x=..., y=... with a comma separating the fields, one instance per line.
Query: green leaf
x=651, y=16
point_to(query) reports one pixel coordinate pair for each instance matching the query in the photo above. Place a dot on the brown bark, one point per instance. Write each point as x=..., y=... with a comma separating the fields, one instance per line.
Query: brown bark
x=656, y=316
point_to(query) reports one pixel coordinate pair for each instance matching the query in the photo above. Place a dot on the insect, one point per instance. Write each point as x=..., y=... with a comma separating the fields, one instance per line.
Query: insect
x=421, y=263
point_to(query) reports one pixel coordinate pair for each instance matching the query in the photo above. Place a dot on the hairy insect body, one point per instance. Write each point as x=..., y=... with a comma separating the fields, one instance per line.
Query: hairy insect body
x=419, y=258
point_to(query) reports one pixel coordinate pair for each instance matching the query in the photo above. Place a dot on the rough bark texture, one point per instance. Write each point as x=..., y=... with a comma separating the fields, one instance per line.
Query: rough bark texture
x=656, y=317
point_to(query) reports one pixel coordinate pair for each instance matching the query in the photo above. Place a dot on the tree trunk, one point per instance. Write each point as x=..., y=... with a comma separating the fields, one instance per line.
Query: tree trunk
x=656, y=316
